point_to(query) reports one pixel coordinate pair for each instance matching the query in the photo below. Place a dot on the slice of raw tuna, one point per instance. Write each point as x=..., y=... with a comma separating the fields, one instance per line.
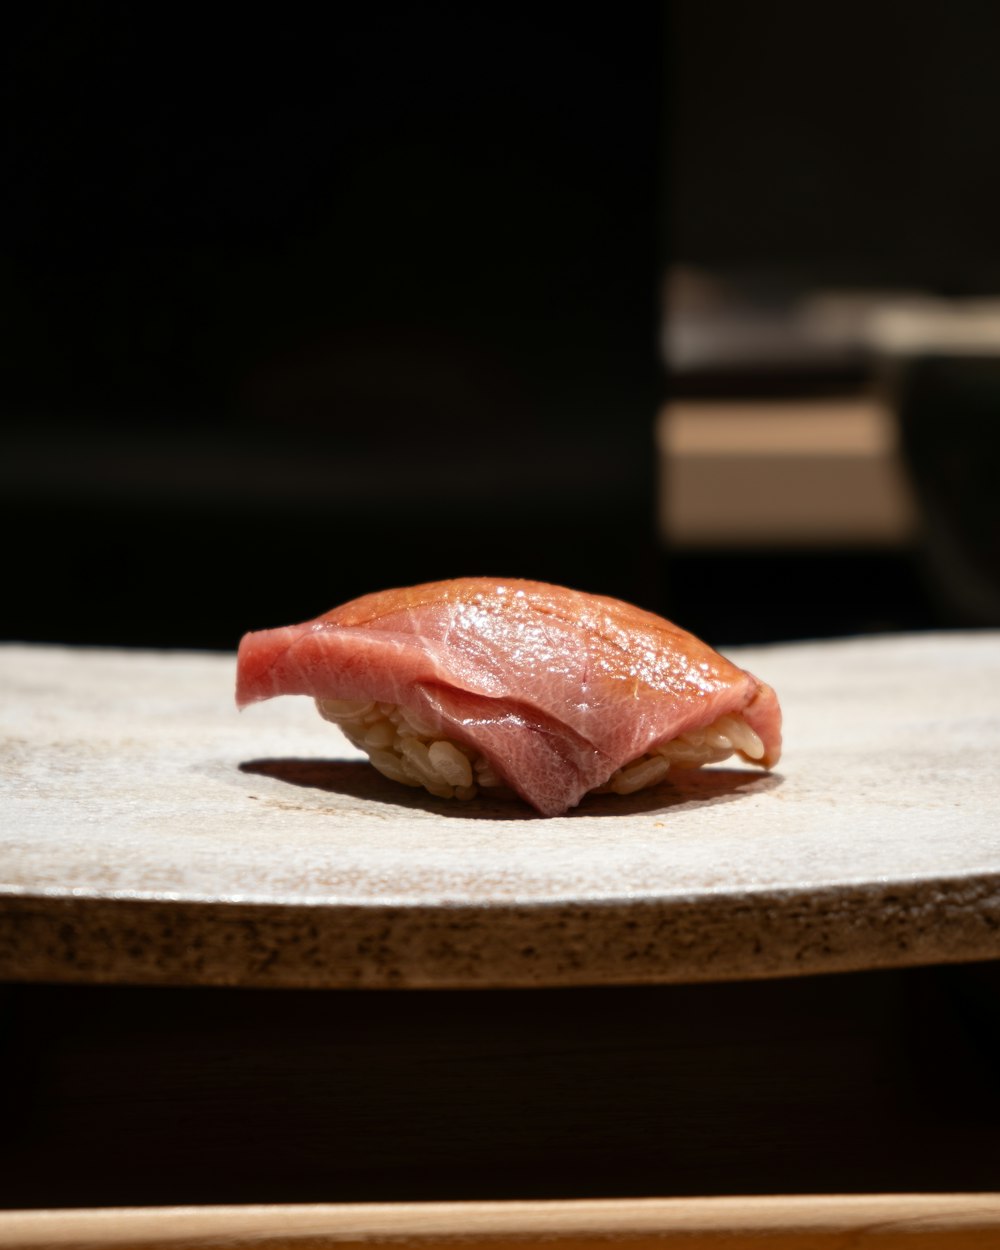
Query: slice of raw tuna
x=478, y=682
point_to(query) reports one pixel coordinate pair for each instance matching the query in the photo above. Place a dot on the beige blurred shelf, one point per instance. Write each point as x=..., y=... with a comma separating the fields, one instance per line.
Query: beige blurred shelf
x=786, y=473
x=878, y=1221
x=150, y=834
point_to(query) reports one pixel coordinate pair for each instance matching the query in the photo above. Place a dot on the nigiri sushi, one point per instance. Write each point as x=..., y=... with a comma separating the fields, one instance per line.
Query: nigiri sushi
x=467, y=685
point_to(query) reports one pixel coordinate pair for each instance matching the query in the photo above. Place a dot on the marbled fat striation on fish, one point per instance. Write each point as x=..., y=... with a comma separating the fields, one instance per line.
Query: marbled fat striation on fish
x=479, y=682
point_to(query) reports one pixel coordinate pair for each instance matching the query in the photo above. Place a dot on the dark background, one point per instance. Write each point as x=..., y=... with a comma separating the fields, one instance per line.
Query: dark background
x=840, y=145
x=309, y=304
x=868, y=1082
x=321, y=302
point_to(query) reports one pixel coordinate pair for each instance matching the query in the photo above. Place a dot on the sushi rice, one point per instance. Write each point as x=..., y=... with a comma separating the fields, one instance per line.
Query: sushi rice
x=410, y=752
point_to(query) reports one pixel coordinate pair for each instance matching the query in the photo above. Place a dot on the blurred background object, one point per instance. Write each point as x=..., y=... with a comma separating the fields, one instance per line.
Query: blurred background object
x=300, y=310
x=830, y=179
x=941, y=366
x=844, y=442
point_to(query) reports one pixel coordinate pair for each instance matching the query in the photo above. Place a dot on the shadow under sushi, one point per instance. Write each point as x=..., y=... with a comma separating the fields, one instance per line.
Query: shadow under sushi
x=358, y=780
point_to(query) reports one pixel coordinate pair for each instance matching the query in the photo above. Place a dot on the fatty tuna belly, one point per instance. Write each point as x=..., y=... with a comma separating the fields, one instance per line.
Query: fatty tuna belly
x=552, y=733
x=544, y=761
x=619, y=677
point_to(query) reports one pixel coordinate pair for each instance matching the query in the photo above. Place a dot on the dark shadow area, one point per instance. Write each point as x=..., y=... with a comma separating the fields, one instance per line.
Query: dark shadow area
x=870, y=1082
x=303, y=309
x=732, y=597
x=361, y=781
x=955, y=476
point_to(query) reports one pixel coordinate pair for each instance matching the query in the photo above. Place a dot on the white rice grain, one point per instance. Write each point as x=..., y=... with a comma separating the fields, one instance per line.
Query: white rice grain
x=450, y=763
x=409, y=750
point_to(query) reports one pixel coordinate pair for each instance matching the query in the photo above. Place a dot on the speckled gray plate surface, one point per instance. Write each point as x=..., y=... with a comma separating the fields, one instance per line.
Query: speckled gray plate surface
x=150, y=833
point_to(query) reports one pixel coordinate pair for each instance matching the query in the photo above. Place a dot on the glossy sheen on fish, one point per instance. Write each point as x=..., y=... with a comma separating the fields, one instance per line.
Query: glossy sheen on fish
x=556, y=688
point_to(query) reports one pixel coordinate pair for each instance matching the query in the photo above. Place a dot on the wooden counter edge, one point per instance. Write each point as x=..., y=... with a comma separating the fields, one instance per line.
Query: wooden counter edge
x=916, y=1221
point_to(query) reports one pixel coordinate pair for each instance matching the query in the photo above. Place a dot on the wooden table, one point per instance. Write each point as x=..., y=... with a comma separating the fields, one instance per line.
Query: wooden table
x=632, y=1001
